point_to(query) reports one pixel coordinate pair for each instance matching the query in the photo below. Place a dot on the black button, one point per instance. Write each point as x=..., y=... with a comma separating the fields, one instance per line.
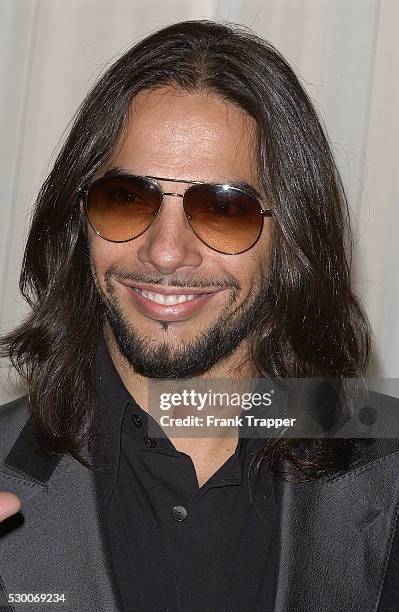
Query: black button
x=179, y=513
x=137, y=420
x=150, y=442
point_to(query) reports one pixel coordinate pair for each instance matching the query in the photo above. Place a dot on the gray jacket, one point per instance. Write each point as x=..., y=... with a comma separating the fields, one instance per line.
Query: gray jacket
x=335, y=534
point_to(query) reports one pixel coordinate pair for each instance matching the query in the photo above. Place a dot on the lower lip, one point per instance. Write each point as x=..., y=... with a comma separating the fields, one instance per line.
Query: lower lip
x=175, y=312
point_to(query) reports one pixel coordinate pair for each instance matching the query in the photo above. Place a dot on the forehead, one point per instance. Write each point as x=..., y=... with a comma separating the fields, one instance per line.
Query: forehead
x=180, y=134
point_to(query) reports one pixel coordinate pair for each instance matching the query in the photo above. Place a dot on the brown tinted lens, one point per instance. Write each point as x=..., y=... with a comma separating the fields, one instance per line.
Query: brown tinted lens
x=121, y=208
x=226, y=219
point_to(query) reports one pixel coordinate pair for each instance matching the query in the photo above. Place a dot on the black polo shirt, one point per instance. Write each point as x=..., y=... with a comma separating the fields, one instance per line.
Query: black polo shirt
x=172, y=545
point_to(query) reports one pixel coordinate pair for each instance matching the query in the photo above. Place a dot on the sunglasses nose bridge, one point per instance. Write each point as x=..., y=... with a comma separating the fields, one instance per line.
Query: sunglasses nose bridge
x=177, y=195
x=169, y=193
x=161, y=209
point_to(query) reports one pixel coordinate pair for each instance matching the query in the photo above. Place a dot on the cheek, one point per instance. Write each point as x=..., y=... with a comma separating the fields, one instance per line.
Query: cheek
x=99, y=256
x=260, y=254
x=105, y=254
x=254, y=265
x=247, y=270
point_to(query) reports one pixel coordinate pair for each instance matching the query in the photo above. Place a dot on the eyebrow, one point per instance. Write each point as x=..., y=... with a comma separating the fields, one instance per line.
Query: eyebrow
x=250, y=189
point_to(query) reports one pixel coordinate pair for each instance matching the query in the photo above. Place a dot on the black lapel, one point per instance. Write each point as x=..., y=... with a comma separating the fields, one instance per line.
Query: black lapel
x=24, y=458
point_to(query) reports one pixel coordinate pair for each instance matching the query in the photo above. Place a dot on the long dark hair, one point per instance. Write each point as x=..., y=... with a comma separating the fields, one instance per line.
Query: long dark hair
x=312, y=327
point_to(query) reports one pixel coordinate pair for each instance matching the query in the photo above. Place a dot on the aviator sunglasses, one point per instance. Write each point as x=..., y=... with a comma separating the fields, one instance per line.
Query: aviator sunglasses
x=226, y=218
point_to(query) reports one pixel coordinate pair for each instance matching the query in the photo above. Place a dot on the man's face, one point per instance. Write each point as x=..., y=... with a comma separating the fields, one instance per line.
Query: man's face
x=197, y=137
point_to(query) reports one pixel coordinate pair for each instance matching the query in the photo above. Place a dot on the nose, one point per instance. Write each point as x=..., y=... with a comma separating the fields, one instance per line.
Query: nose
x=170, y=243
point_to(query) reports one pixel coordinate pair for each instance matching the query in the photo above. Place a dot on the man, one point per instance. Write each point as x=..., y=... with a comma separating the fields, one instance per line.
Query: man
x=194, y=225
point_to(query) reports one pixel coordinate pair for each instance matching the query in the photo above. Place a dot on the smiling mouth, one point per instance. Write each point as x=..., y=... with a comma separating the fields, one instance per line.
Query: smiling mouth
x=167, y=306
x=168, y=300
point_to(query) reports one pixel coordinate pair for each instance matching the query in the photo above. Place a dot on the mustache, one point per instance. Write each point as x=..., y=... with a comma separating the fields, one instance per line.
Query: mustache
x=176, y=281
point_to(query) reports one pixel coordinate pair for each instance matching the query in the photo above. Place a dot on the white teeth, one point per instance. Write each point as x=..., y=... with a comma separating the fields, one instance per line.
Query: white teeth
x=166, y=300
x=184, y=298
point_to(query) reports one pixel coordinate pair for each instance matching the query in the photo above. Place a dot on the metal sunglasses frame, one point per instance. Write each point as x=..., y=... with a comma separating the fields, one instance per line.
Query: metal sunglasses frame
x=84, y=192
